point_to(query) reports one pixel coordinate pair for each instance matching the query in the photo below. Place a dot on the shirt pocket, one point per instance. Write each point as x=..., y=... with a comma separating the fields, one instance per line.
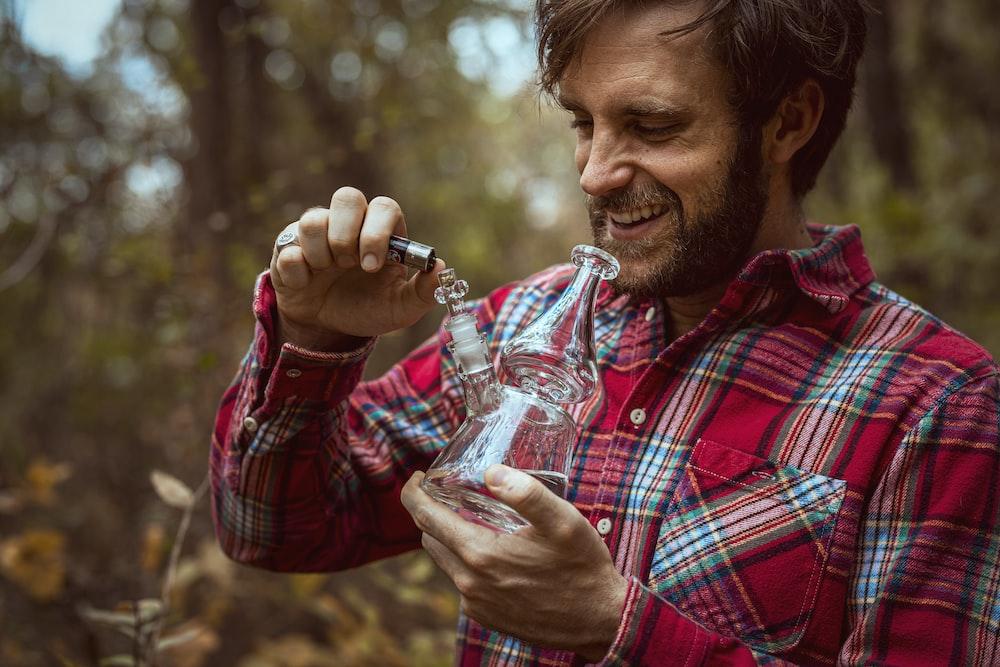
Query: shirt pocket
x=744, y=545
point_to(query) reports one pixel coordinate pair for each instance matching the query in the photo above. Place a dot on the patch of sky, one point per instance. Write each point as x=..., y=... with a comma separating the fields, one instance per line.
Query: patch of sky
x=495, y=50
x=157, y=176
x=67, y=29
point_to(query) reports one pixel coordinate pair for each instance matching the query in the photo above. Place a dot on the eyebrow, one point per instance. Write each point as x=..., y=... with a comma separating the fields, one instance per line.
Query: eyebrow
x=640, y=107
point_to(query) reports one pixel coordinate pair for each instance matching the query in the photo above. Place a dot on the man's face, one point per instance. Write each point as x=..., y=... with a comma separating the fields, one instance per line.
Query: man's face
x=673, y=191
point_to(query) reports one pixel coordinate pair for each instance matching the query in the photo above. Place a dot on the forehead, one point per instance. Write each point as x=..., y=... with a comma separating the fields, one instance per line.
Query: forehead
x=626, y=58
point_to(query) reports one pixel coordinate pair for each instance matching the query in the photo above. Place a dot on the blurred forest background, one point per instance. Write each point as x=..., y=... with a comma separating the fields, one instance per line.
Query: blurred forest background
x=140, y=197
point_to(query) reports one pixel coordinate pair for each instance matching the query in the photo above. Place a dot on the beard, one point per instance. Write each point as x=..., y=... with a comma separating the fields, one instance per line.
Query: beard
x=687, y=255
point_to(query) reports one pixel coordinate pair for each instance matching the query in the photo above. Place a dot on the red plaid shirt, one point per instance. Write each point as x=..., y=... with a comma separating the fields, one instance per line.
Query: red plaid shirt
x=811, y=475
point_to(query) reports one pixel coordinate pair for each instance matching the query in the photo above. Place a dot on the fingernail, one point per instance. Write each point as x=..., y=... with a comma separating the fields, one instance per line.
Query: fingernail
x=496, y=475
x=369, y=262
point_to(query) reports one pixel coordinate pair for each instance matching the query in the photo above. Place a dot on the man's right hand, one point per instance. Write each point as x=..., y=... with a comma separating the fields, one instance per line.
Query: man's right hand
x=336, y=286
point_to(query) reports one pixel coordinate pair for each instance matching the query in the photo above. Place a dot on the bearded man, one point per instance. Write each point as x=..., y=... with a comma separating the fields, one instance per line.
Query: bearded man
x=789, y=461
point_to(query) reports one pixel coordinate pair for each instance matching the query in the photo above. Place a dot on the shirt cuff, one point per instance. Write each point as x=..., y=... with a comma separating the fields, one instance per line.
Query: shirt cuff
x=653, y=632
x=295, y=373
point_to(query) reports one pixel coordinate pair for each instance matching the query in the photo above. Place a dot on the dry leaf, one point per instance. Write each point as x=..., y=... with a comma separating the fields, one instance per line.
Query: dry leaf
x=153, y=547
x=36, y=561
x=171, y=490
x=189, y=645
x=42, y=478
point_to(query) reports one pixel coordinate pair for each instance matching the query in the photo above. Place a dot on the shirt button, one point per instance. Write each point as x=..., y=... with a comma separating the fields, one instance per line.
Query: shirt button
x=604, y=526
x=293, y=373
x=638, y=416
x=250, y=424
x=650, y=314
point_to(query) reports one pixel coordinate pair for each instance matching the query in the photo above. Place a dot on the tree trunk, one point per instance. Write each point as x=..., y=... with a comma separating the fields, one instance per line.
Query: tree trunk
x=887, y=117
x=208, y=170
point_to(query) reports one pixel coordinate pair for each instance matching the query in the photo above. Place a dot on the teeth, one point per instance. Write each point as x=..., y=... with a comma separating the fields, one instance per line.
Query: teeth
x=643, y=213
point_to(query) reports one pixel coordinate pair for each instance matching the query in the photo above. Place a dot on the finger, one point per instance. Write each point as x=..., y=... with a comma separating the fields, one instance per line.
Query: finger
x=312, y=238
x=438, y=520
x=416, y=295
x=291, y=268
x=276, y=281
x=384, y=218
x=347, y=214
x=546, y=511
x=275, y=276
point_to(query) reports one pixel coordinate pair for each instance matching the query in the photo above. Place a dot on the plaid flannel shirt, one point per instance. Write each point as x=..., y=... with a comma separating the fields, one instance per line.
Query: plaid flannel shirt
x=812, y=475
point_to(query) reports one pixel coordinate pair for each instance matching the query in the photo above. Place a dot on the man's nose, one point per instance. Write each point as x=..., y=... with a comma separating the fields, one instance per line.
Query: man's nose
x=606, y=167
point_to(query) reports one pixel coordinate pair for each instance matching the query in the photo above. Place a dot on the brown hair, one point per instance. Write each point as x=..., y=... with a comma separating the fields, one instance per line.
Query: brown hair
x=769, y=48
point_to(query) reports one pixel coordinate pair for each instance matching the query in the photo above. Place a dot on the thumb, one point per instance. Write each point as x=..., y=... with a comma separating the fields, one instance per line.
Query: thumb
x=425, y=282
x=529, y=497
x=418, y=292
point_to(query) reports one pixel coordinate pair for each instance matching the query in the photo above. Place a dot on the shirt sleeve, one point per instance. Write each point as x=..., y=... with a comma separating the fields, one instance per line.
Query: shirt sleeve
x=925, y=588
x=307, y=462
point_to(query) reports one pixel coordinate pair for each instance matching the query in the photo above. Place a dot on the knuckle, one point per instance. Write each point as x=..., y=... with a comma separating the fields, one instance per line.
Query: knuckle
x=342, y=246
x=478, y=558
x=422, y=517
x=349, y=196
x=288, y=258
x=465, y=584
x=386, y=204
x=313, y=222
x=377, y=238
x=530, y=494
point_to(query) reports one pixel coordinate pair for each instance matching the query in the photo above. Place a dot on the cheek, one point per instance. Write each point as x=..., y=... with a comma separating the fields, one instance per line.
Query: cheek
x=689, y=176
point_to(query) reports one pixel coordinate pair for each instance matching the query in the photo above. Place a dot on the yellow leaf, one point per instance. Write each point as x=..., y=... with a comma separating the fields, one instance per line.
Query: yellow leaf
x=153, y=543
x=36, y=561
x=42, y=478
x=306, y=585
x=420, y=569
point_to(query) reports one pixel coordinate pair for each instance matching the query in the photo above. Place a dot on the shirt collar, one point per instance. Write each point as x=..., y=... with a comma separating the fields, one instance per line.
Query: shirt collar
x=829, y=272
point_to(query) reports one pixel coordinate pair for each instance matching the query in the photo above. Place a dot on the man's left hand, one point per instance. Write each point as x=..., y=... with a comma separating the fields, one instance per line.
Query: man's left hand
x=551, y=584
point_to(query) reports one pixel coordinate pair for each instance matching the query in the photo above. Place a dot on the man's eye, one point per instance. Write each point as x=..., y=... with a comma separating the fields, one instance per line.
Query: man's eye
x=655, y=131
x=580, y=124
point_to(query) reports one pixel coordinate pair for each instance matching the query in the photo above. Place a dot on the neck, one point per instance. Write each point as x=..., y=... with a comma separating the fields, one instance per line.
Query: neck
x=783, y=228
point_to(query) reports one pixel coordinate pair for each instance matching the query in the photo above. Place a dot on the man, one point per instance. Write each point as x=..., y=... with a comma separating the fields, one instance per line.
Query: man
x=790, y=462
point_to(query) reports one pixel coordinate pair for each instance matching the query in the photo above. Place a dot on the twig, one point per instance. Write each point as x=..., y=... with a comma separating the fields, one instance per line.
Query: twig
x=170, y=575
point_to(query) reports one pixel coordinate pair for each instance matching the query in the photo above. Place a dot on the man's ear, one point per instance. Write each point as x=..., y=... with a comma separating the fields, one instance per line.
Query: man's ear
x=794, y=123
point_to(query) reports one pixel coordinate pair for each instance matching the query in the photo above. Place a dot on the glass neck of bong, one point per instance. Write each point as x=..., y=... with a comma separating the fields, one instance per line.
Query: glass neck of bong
x=574, y=325
x=482, y=389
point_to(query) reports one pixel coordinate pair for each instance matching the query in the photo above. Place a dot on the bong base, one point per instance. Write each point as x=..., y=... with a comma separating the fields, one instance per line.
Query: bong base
x=472, y=500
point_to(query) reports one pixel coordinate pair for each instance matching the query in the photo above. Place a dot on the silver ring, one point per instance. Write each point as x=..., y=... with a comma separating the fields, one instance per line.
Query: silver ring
x=285, y=239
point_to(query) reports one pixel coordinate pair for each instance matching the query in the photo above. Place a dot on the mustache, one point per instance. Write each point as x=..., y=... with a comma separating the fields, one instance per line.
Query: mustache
x=632, y=199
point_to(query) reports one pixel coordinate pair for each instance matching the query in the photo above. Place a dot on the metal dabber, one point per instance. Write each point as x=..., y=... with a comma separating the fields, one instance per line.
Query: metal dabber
x=401, y=250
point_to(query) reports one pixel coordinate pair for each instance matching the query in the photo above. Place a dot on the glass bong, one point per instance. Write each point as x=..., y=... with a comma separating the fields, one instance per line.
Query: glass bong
x=522, y=423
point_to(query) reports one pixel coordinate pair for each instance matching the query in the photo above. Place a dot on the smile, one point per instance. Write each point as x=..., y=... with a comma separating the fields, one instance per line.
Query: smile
x=638, y=215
